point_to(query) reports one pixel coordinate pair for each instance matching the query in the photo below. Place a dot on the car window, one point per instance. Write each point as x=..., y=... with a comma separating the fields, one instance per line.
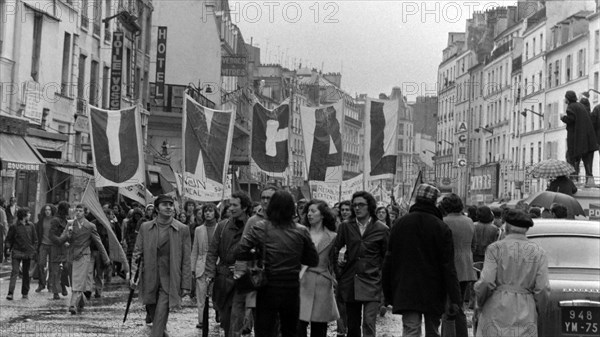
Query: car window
x=571, y=251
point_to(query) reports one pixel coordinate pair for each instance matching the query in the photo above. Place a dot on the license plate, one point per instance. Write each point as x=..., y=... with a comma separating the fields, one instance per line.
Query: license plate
x=581, y=320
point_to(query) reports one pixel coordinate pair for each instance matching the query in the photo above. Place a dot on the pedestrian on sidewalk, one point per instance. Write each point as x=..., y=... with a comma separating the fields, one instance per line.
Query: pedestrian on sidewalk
x=42, y=228
x=365, y=239
x=514, y=288
x=22, y=242
x=419, y=275
x=59, y=266
x=81, y=234
x=162, y=250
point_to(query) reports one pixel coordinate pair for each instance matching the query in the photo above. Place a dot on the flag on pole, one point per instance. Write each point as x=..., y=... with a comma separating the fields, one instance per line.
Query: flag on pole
x=418, y=182
x=117, y=146
x=381, y=127
x=206, y=145
x=137, y=192
x=270, y=138
x=115, y=250
x=321, y=129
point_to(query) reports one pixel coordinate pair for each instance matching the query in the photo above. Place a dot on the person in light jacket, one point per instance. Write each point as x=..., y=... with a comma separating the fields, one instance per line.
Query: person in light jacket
x=514, y=285
x=317, y=301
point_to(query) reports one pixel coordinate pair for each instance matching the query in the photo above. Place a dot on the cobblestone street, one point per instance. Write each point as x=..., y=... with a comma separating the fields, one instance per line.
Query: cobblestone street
x=40, y=315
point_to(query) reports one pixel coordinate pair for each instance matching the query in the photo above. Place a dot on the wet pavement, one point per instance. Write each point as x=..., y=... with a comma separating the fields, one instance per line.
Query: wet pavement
x=40, y=315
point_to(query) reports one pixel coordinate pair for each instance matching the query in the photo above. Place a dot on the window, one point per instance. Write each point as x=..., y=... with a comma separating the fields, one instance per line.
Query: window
x=557, y=73
x=526, y=51
x=531, y=153
x=595, y=86
x=401, y=129
x=128, y=64
x=539, y=152
x=541, y=42
x=533, y=47
x=532, y=118
x=568, y=66
x=96, y=12
x=64, y=85
x=540, y=118
x=540, y=82
x=94, y=73
x=85, y=21
x=81, y=84
x=105, y=87
x=550, y=75
x=36, y=49
x=581, y=62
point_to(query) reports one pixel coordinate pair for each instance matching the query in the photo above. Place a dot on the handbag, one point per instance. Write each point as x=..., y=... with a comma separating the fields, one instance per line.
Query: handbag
x=255, y=277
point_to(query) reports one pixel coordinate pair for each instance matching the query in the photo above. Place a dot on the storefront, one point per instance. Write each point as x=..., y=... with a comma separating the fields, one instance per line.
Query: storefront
x=21, y=167
x=484, y=184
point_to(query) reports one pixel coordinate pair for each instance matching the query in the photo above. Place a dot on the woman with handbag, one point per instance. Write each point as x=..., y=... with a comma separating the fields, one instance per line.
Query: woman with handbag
x=317, y=300
x=284, y=246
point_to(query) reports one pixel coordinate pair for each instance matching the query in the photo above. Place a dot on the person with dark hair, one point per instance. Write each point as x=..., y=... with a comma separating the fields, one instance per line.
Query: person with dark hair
x=202, y=239
x=485, y=233
x=513, y=287
x=59, y=266
x=162, y=251
x=342, y=324
x=462, y=236
x=21, y=240
x=535, y=212
x=472, y=213
x=225, y=214
x=383, y=215
x=562, y=184
x=581, y=136
x=42, y=228
x=286, y=247
x=130, y=230
x=81, y=234
x=317, y=300
x=394, y=213
x=188, y=208
x=360, y=248
x=559, y=211
x=230, y=302
x=419, y=276
x=300, y=210
x=345, y=210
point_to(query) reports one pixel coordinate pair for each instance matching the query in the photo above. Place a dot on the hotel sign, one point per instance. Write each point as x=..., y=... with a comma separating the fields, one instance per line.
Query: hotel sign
x=161, y=61
x=116, y=75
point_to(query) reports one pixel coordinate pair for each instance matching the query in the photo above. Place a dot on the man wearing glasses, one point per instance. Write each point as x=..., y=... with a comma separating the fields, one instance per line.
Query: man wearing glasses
x=364, y=240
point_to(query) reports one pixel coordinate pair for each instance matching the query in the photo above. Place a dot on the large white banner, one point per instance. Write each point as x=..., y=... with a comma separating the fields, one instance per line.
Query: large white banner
x=117, y=146
x=322, y=132
x=352, y=186
x=381, y=146
x=207, y=137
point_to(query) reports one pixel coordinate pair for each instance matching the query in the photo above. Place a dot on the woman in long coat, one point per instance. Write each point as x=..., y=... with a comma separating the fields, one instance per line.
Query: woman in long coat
x=317, y=300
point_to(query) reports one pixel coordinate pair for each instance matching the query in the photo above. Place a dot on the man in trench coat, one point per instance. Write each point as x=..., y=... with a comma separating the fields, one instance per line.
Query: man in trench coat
x=163, y=248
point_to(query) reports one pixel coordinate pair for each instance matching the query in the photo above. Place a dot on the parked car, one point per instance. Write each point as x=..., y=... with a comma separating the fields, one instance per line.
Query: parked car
x=573, y=250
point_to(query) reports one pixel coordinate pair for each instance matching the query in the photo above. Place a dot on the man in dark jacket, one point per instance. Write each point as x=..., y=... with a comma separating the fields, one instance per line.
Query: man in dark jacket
x=364, y=240
x=419, y=272
x=581, y=137
x=59, y=276
x=230, y=303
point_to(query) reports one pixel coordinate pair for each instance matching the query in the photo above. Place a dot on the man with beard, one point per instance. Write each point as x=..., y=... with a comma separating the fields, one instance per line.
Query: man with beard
x=227, y=299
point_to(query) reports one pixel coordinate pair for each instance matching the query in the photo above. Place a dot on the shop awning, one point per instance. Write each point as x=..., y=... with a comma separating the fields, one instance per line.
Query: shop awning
x=73, y=171
x=16, y=154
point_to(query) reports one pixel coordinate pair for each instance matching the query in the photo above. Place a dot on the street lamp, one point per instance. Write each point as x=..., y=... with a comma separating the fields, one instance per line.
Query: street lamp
x=481, y=128
x=524, y=112
x=128, y=20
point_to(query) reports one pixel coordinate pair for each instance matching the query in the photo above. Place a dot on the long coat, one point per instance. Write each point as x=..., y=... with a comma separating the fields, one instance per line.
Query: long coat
x=360, y=278
x=199, y=251
x=317, y=301
x=462, y=235
x=80, y=240
x=581, y=137
x=180, y=274
x=514, y=281
x=419, y=273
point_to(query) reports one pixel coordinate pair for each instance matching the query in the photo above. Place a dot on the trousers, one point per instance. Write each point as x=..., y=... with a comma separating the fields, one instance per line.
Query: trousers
x=368, y=311
x=14, y=274
x=411, y=324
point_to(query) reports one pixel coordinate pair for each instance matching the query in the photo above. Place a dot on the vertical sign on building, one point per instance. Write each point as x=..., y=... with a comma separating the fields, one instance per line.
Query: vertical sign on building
x=116, y=75
x=161, y=56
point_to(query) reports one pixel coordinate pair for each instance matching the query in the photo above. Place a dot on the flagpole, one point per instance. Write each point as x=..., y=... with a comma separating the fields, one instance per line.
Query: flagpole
x=305, y=153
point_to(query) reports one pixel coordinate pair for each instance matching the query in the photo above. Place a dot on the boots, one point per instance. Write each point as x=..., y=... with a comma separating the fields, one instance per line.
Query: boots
x=590, y=182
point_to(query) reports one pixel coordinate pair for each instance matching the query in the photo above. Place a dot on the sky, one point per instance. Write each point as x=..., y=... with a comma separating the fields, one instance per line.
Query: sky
x=375, y=45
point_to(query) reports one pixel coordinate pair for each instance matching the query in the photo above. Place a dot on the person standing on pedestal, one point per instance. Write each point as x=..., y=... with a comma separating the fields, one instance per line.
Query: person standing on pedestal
x=581, y=137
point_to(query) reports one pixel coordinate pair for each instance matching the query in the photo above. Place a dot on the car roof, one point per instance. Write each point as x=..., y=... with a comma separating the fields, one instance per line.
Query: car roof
x=564, y=227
